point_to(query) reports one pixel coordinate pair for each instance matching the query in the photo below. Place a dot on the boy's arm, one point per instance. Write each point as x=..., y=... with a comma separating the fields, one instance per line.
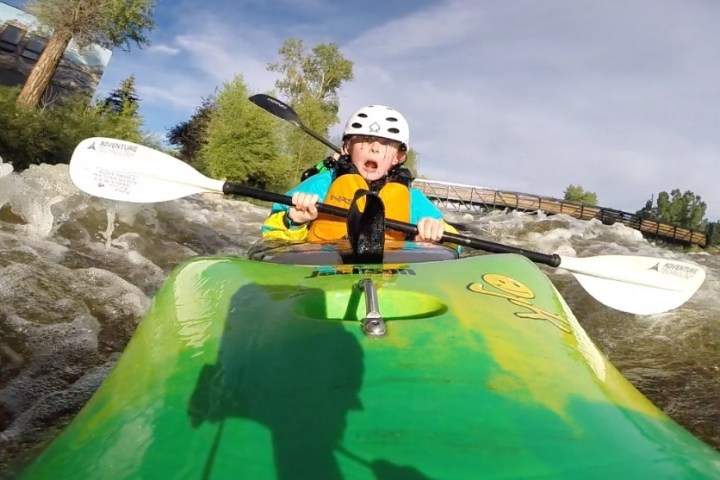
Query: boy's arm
x=277, y=226
x=422, y=207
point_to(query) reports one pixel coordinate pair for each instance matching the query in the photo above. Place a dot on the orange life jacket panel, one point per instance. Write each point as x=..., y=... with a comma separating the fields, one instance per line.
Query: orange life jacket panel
x=395, y=197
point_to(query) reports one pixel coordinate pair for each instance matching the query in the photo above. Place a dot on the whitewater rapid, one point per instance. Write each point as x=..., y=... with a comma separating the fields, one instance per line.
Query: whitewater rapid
x=77, y=274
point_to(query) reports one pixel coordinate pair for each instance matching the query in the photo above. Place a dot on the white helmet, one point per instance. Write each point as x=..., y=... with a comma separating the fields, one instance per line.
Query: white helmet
x=379, y=121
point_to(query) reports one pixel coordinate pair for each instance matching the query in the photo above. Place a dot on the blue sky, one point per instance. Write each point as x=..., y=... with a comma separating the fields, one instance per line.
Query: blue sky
x=619, y=97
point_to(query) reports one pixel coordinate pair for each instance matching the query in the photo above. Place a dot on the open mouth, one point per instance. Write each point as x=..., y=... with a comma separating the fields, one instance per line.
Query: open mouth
x=371, y=165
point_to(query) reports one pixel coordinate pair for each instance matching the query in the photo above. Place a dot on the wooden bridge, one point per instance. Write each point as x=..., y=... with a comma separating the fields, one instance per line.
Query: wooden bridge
x=479, y=199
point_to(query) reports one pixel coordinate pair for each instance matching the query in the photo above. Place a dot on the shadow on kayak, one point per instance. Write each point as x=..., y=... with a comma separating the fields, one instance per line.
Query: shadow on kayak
x=298, y=377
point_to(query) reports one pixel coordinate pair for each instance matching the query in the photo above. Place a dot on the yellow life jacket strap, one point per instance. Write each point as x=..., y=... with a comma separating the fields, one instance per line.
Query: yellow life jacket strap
x=396, y=198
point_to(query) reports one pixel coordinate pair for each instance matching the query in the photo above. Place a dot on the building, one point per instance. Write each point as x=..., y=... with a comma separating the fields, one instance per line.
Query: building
x=22, y=41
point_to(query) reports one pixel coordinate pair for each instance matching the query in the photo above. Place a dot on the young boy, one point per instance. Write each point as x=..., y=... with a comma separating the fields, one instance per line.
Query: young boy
x=375, y=145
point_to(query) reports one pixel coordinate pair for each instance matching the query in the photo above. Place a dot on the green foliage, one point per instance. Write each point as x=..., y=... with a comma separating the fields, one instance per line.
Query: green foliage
x=228, y=137
x=243, y=142
x=190, y=136
x=109, y=23
x=303, y=150
x=681, y=209
x=411, y=162
x=318, y=74
x=310, y=83
x=50, y=135
x=576, y=193
x=124, y=99
x=712, y=233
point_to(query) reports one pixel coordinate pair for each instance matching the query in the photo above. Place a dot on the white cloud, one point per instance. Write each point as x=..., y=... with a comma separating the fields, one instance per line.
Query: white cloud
x=176, y=96
x=163, y=49
x=537, y=95
x=523, y=95
x=210, y=53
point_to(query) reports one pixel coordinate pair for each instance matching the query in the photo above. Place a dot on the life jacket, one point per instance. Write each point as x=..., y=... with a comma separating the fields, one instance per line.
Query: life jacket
x=393, y=190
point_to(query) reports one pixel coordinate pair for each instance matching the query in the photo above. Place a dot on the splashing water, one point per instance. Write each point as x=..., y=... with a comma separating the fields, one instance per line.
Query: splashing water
x=77, y=273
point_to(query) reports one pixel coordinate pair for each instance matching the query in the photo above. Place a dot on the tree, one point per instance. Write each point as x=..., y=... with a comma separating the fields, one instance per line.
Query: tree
x=411, y=162
x=123, y=100
x=318, y=74
x=243, y=142
x=300, y=147
x=681, y=209
x=29, y=137
x=191, y=135
x=576, y=193
x=310, y=82
x=108, y=23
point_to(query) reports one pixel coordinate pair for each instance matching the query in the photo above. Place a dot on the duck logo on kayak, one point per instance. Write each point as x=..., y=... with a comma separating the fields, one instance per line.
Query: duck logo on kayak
x=518, y=294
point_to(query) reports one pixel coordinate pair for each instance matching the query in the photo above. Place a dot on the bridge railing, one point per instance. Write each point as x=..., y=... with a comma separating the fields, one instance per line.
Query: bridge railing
x=472, y=198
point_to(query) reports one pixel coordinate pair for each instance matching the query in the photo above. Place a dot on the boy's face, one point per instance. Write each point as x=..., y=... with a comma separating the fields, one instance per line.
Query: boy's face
x=373, y=156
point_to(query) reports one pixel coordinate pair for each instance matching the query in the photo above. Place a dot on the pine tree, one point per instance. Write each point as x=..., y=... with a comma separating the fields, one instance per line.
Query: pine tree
x=191, y=135
x=124, y=99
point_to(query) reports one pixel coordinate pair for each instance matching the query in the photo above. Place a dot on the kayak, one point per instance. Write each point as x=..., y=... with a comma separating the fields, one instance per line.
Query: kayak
x=295, y=364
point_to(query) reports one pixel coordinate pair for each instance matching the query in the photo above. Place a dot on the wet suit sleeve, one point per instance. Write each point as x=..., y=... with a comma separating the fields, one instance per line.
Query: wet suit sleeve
x=421, y=207
x=275, y=228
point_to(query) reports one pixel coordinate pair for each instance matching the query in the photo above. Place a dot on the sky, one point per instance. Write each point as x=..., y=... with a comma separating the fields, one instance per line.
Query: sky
x=621, y=98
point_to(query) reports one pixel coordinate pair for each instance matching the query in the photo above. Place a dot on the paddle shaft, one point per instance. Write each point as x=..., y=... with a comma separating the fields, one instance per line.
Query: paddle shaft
x=327, y=143
x=492, y=247
x=282, y=110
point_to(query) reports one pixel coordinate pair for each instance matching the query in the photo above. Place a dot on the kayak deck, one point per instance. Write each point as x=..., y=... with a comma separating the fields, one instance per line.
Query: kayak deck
x=341, y=253
x=257, y=370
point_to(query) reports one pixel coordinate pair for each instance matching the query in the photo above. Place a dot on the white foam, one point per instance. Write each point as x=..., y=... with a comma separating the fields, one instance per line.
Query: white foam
x=34, y=194
x=5, y=168
x=107, y=234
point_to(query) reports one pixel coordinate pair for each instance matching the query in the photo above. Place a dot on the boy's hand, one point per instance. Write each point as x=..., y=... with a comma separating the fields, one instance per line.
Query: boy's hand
x=430, y=230
x=303, y=209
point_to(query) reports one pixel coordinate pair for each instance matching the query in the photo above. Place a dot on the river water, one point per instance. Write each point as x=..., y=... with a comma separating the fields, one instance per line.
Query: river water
x=77, y=273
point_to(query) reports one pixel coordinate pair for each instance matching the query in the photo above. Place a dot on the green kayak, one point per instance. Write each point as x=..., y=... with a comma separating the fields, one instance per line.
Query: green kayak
x=423, y=367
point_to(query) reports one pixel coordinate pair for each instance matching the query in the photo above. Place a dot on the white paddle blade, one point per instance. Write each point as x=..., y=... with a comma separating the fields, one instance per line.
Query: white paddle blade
x=125, y=171
x=635, y=284
x=637, y=299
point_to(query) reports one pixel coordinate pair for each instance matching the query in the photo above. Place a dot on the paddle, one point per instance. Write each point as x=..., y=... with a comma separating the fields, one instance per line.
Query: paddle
x=120, y=170
x=283, y=110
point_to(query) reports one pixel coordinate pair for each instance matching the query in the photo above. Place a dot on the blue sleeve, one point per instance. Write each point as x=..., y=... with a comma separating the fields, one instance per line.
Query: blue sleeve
x=318, y=184
x=421, y=207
